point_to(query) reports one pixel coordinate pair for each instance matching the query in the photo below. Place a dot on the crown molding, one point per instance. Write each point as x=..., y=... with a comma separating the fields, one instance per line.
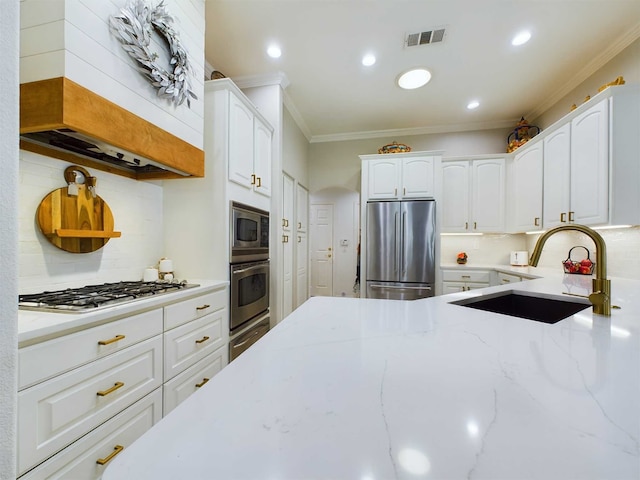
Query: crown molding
x=405, y=132
x=589, y=69
x=297, y=117
x=251, y=81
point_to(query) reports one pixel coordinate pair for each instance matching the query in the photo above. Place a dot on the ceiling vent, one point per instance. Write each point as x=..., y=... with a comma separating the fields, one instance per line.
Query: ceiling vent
x=427, y=37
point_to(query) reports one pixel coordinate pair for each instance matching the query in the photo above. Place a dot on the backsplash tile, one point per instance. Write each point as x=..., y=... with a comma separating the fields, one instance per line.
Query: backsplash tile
x=623, y=249
x=137, y=212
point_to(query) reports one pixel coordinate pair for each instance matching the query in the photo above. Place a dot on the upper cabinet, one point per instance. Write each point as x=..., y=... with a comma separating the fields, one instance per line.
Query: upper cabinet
x=398, y=176
x=591, y=168
x=524, y=189
x=249, y=146
x=473, y=195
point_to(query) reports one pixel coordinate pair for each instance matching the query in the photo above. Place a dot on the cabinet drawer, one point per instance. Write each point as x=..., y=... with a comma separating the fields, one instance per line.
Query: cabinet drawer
x=188, y=382
x=187, y=310
x=504, y=278
x=44, y=360
x=185, y=345
x=466, y=276
x=80, y=459
x=57, y=412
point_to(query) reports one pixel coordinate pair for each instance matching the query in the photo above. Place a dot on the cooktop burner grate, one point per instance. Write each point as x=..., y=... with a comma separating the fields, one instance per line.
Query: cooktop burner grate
x=96, y=296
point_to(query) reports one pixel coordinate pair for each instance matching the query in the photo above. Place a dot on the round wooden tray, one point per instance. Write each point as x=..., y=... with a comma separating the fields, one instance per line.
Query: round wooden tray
x=78, y=223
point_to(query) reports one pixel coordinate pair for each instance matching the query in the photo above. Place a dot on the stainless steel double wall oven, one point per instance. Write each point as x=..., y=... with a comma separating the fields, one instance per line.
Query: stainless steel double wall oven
x=249, y=275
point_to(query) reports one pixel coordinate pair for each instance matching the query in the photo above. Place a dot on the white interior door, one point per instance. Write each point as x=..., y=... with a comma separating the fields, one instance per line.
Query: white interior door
x=321, y=240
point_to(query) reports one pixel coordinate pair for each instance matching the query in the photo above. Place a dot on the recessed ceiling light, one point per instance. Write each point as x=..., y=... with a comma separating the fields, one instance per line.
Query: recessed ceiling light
x=521, y=38
x=368, y=60
x=473, y=104
x=414, y=78
x=274, y=51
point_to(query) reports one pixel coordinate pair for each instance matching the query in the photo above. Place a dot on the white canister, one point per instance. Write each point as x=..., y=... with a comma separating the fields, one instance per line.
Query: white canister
x=150, y=274
x=165, y=266
x=519, y=258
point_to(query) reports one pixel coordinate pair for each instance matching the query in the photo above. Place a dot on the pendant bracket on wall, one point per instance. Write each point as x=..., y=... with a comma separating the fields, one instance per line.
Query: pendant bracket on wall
x=74, y=218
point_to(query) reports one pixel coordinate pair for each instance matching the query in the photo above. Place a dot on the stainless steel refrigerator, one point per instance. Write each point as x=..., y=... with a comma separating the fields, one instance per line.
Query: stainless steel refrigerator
x=401, y=238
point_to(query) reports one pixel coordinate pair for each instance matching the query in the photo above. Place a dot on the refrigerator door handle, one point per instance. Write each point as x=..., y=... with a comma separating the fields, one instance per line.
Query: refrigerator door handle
x=396, y=253
x=403, y=236
x=389, y=287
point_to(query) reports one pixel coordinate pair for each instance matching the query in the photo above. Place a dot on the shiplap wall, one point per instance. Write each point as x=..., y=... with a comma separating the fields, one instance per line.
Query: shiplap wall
x=71, y=38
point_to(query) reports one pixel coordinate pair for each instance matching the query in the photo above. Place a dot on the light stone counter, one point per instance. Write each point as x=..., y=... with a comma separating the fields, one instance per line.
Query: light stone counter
x=381, y=389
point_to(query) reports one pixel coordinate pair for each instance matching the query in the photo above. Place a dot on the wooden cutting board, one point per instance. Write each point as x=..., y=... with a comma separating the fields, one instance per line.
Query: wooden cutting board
x=78, y=223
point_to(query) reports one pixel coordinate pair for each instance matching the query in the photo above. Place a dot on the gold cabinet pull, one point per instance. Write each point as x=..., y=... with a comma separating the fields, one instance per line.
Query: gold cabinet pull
x=299, y=224
x=505, y=280
x=204, y=380
x=203, y=339
x=404, y=191
x=571, y=216
x=299, y=239
x=466, y=276
x=395, y=192
x=329, y=256
x=536, y=221
x=253, y=179
x=116, y=450
x=112, y=340
x=115, y=387
x=285, y=238
x=203, y=307
x=466, y=225
x=563, y=217
x=475, y=225
x=258, y=182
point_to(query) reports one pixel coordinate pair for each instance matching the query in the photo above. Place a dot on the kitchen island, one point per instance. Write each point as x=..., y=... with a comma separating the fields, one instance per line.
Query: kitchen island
x=382, y=389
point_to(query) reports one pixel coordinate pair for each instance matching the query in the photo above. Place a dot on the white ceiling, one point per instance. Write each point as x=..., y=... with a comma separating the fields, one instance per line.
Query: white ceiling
x=332, y=96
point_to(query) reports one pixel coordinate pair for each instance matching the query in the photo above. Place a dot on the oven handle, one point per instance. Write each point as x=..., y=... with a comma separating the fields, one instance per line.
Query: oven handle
x=257, y=332
x=248, y=269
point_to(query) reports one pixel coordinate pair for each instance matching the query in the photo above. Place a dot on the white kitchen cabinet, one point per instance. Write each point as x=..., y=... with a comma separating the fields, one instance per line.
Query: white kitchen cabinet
x=506, y=278
x=524, y=187
x=454, y=281
x=576, y=183
x=244, y=141
x=179, y=388
x=473, y=195
x=302, y=269
x=87, y=457
x=196, y=344
x=591, y=168
x=302, y=208
x=58, y=411
x=287, y=238
x=398, y=176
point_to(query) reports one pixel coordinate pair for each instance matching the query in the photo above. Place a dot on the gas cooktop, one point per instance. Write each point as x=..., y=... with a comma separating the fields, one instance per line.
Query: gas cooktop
x=92, y=297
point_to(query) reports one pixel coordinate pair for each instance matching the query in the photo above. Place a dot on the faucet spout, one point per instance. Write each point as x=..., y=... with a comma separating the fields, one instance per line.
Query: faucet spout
x=600, y=298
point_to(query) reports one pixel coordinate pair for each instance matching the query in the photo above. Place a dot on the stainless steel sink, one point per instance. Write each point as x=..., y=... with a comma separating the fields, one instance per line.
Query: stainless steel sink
x=527, y=305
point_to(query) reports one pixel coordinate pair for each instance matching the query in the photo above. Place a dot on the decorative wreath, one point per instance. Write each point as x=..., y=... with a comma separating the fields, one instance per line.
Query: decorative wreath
x=133, y=28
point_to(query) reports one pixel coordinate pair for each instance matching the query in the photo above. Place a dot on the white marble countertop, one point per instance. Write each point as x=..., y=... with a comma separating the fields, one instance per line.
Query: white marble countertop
x=37, y=326
x=383, y=389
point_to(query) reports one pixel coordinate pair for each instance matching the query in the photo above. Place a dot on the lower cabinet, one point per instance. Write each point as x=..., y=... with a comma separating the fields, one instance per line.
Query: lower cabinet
x=103, y=387
x=88, y=457
x=454, y=281
x=506, y=278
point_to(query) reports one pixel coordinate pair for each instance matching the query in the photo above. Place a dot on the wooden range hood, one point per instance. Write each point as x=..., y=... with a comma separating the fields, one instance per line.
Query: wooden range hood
x=61, y=119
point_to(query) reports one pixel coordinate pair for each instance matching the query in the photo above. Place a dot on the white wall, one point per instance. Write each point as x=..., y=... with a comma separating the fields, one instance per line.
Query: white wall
x=295, y=151
x=487, y=249
x=9, y=114
x=71, y=38
x=626, y=64
x=337, y=164
x=137, y=212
